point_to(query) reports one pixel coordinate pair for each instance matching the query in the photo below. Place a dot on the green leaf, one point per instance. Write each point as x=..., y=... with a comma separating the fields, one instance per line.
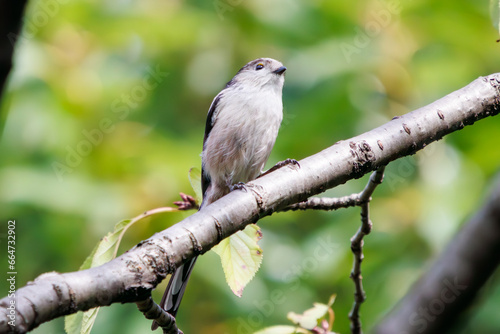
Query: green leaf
x=195, y=180
x=73, y=323
x=241, y=257
x=495, y=14
x=104, y=251
x=107, y=248
x=279, y=330
x=311, y=317
x=88, y=320
x=81, y=322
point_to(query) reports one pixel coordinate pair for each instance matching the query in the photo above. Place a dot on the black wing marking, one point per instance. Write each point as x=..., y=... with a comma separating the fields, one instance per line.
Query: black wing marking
x=211, y=117
x=172, y=297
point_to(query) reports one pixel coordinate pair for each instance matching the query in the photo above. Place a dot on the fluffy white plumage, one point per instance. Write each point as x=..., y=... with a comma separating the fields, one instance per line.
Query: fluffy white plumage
x=242, y=126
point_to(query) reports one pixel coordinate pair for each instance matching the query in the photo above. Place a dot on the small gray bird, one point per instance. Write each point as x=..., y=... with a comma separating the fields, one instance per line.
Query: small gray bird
x=242, y=126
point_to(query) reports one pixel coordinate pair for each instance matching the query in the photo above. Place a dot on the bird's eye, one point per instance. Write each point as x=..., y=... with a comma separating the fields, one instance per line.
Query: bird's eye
x=259, y=66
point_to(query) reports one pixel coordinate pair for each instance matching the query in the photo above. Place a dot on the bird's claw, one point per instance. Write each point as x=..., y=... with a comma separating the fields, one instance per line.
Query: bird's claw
x=280, y=164
x=238, y=186
x=287, y=162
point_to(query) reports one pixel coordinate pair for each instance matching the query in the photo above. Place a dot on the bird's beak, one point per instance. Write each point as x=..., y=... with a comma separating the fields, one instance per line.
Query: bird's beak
x=280, y=70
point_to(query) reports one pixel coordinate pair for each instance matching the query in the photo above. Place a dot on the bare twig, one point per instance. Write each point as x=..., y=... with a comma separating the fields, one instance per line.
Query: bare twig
x=335, y=203
x=357, y=248
x=361, y=199
x=326, y=203
x=153, y=311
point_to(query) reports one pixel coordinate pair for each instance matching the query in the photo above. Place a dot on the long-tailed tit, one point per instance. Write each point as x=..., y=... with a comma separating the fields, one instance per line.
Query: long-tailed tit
x=242, y=126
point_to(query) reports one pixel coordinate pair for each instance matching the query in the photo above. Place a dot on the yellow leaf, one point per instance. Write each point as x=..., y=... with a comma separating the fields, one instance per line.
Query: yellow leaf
x=311, y=317
x=279, y=330
x=241, y=257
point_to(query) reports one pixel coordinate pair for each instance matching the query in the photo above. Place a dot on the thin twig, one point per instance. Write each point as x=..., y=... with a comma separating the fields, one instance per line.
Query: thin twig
x=357, y=248
x=153, y=311
x=325, y=203
x=375, y=179
x=334, y=203
x=361, y=199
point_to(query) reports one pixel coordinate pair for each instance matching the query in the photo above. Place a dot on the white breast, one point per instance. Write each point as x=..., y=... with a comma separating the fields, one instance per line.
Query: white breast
x=245, y=129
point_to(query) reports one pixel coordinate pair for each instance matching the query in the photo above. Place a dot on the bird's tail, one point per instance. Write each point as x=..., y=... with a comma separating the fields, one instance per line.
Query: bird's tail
x=172, y=297
x=175, y=290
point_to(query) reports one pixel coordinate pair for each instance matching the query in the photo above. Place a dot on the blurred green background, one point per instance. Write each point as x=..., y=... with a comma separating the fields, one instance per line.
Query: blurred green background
x=127, y=84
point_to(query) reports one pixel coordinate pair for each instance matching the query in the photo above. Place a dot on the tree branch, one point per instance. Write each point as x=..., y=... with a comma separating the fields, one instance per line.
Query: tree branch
x=132, y=276
x=439, y=297
x=325, y=203
x=10, y=22
x=153, y=311
x=357, y=248
x=361, y=199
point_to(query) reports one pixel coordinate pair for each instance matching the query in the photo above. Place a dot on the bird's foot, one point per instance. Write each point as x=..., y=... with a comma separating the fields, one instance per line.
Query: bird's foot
x=238, y=186
x=280, y=164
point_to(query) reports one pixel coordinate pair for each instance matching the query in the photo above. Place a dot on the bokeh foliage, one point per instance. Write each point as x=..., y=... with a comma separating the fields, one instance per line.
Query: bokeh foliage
x=80, y=68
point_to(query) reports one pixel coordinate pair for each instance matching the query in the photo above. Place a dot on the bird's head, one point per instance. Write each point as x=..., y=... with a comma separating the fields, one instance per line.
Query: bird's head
x=261, y=72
